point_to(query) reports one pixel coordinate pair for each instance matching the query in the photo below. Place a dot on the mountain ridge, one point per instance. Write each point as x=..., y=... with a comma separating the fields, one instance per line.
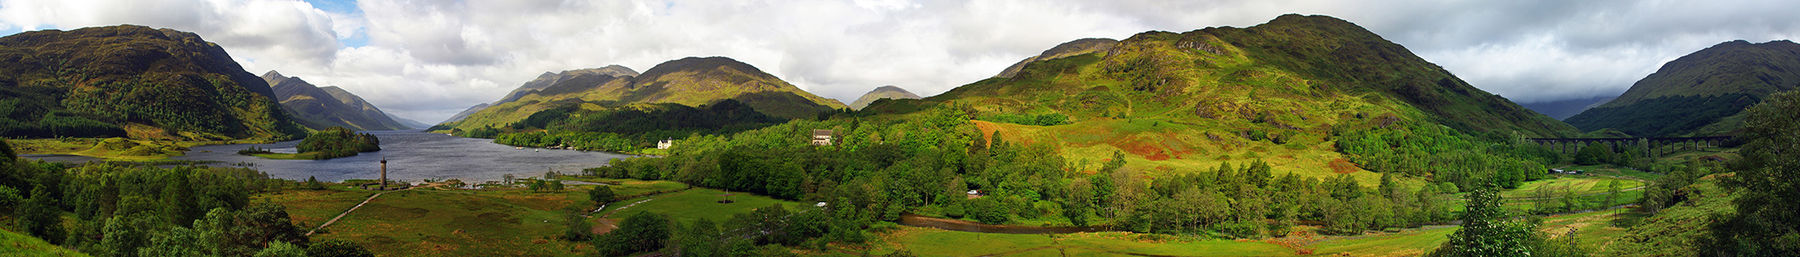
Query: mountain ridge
x=690, y=81
x=324, y=107
x=1702, y=93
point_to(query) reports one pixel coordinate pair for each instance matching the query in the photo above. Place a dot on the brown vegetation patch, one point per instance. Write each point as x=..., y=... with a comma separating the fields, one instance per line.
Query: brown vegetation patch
x=1343, y=166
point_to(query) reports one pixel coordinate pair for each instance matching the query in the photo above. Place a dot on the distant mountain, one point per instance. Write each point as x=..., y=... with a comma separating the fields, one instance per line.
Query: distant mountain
x=320, y=108
x=1702, y=93
x=1071, y=48
x=410, y=123
x=1563, y=109
x=464, y=114
x=884, y=92
x=689, y=81
x=134, y=81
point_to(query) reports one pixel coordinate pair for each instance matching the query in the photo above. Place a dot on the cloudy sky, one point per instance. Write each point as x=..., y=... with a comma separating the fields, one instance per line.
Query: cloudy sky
x=428, y=59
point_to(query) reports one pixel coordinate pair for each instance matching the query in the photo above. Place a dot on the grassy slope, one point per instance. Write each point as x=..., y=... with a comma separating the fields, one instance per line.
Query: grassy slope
x=21, y=245
x=1191, y=100
x=698, y=203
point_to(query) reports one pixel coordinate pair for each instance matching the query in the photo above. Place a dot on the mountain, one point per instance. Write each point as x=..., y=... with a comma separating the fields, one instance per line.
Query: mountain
x=1289, y=89
x=410, y=123
x=1563, y=109
x=689, y=81
x=1071, y=48
x=320, y=108
x=134, y=81
x=1702, y=93
x=464, y=114
x=884, y=92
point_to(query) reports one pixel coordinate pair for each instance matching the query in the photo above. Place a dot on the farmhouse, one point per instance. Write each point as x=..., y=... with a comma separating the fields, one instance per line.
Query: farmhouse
x=821, y=137
x=665, y=144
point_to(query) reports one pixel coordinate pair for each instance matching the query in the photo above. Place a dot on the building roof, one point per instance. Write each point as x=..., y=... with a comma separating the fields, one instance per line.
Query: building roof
x=821, y=132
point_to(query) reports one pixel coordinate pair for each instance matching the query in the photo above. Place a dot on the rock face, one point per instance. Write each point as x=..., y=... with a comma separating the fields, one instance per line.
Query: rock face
x=132, y=81
x=1071, y=48
x=325, y=107
x=884, y=92
x=692, y=81
x=1702, y=93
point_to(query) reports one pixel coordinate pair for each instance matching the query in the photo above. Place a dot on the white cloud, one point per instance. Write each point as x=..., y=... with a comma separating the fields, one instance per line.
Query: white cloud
x=427, y=59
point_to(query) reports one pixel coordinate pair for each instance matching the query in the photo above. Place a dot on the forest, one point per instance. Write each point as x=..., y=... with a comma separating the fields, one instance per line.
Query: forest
x=140, y=210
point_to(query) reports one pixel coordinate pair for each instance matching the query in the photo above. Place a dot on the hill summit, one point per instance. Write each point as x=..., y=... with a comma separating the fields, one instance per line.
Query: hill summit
x=135, y=81
x=883, y=92
x=1702, y=93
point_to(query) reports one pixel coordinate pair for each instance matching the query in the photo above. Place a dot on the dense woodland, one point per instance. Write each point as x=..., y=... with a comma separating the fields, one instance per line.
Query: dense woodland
x=109, y=210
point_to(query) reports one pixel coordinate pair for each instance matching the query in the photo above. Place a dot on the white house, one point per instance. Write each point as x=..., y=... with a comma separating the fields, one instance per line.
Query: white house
x=665, y=144
x=821, y=137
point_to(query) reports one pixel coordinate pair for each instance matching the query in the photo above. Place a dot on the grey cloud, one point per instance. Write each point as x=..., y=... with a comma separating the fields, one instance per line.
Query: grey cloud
x=428, y=59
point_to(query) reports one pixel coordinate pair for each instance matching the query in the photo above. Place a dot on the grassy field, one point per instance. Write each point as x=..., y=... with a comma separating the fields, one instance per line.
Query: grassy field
x=15, y=244
x=312, y=207
x=1580, y=185
x=697, y=203
x=429, y=222
x=936, y=242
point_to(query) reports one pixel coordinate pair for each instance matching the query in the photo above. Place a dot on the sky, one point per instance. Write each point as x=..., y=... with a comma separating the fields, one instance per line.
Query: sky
x=428, y=59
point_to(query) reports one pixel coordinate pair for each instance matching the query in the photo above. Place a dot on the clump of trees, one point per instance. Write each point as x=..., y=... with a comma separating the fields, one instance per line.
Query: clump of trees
x=337, y=142
x=1448, y=156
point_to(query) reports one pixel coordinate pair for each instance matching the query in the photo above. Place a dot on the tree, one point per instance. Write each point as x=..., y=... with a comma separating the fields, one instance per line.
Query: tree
x=575, y=226
x=1487, y=231
x=640, y=232
x=40, y=216
x=1612, y=194
x=126, y=234
x=337, y=248
x=176, y=241
x=700, y=238
x=601, y=195
x=281, y=249
x=1767, y=222
x=988, y=210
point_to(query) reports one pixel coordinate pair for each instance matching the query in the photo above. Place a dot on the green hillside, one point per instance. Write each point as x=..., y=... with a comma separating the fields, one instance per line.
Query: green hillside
x=131, y=81
x=1293, y=91
x=688, y=81
x=319, y=108
x=1702, y=93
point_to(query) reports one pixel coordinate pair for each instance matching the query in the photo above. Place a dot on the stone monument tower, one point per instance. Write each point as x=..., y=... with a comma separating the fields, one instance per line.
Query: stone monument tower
x=383, y=174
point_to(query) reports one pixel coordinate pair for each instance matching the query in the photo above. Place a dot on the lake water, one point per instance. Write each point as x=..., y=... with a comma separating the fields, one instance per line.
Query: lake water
x=412, y=156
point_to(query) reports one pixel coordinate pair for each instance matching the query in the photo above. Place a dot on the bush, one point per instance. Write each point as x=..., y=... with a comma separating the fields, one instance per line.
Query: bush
x=988, y=210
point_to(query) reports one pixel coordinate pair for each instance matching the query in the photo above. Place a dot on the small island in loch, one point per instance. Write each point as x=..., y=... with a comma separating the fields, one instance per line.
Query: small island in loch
x=333, y=142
